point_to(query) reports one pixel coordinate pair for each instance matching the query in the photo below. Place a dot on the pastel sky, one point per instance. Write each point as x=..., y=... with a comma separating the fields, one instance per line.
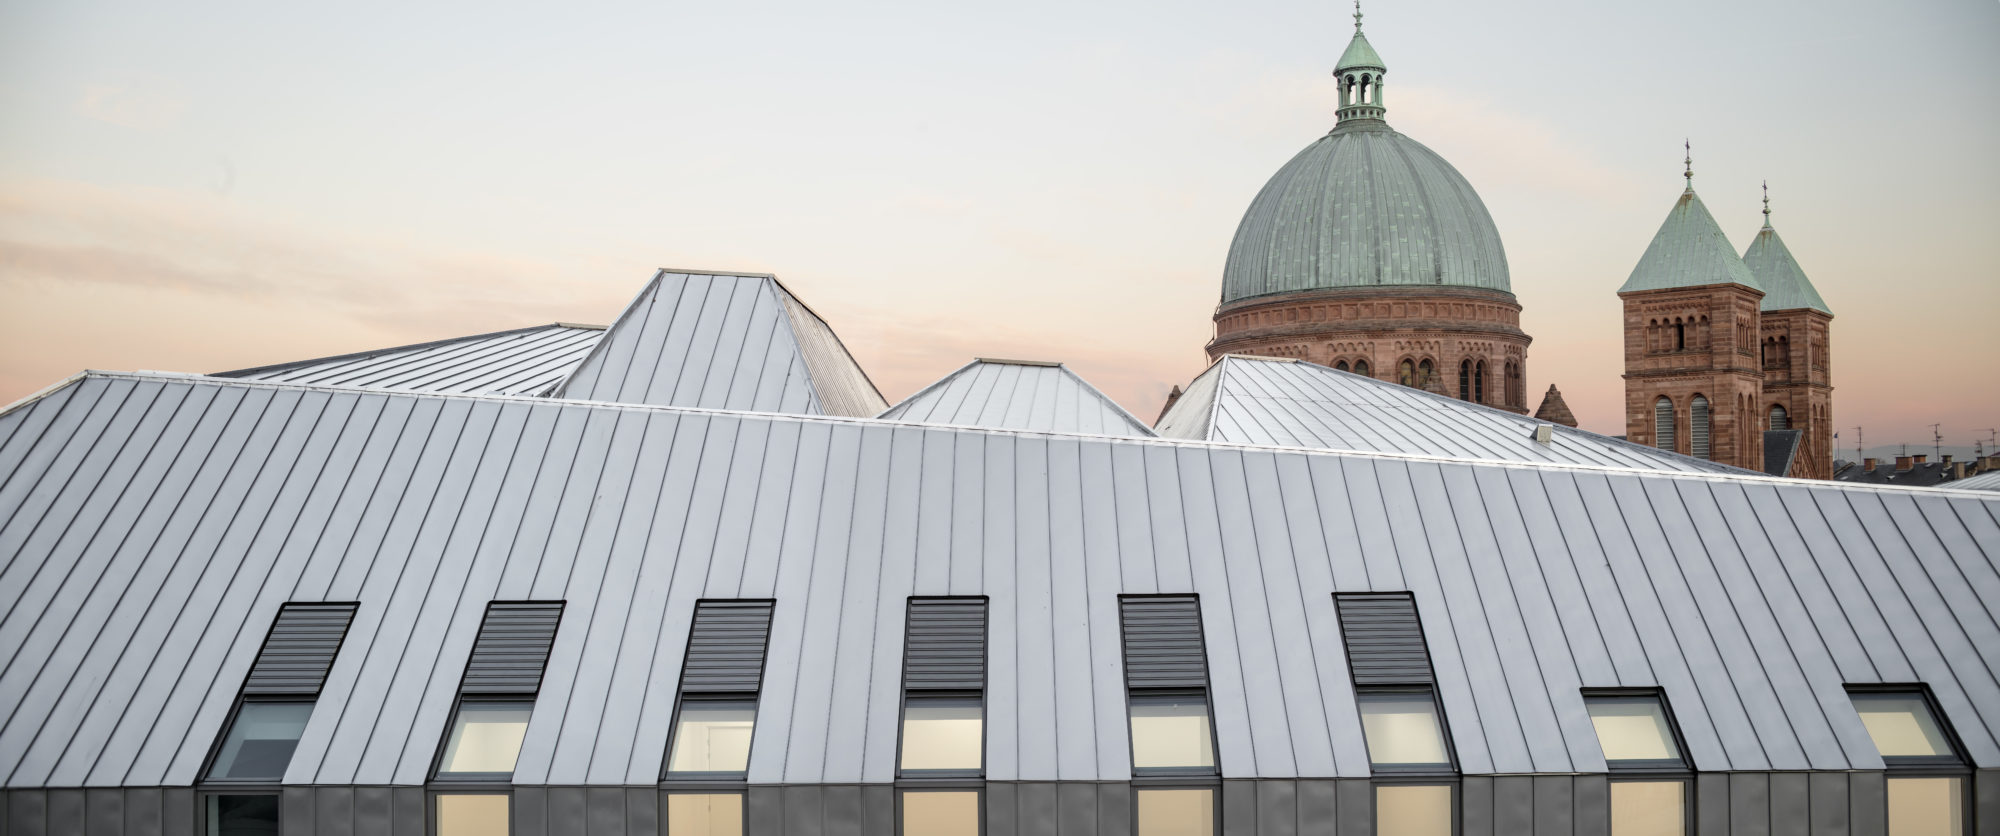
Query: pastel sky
x=205, y=185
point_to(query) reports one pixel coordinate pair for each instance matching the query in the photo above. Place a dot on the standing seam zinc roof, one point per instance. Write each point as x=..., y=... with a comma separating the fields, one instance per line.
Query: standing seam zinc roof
x=1689, y=251
x=151, y=525
x=723, y=341
x=1008, y=394
x=1256, y=400
x=523, y=361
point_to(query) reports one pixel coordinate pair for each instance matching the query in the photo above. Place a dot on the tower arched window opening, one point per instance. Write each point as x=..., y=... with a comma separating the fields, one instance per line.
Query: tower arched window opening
x=1663, y=423
x=1340, y=366
x=1425, y=371
x=1698, y=427
x=1406, y=373
x=1479, y=382
x=1465, y=380
x=1780, y=420
x=1680, y=336
x=1361, y=368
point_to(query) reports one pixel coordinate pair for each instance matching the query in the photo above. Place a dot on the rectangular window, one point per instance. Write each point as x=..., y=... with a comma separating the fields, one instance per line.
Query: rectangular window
x=705, y=814
x=944, y=687
x=713, y=736
x=942, y=734
x=1166, y=680
x=1171, y=731
x=473, y=814
x=260, y=740
x=485, y=739
x=1649, y=808
x=1927, y=806
x=1633, y=730
x=1901, y=724
x=940, y=813
x=1402, y=730
x=1414, y=809
x=1177, y=812
x=240, y=815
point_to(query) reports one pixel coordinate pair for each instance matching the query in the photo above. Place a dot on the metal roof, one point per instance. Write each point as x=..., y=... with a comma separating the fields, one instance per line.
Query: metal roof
x=1258, y=400
x=1781, y=448
x=1989, y=481
x=523, y=361
x=1018, y=395
x=723, y=341
x=1689, y=251
x=1359, y=54
x=1785, y=284
x=1364, y=206
x=151, y=526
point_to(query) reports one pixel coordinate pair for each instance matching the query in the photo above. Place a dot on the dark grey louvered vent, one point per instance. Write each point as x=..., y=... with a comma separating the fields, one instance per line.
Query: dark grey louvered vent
x=726, y=647
x=1385, y=642
x=946, y=648
x=300, y=649
x=1163, y=642
x=512, y=648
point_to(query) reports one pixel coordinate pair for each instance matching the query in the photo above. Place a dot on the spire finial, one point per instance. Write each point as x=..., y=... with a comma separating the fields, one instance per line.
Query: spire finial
x=1357, y=17
x=1689, y=148
x=1767, y=204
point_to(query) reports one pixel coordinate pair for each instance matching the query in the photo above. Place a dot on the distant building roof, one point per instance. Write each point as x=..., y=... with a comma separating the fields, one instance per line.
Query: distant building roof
x=523, y=361
x=1689, y=251
x=1257, y=400
x=1988, y=481
x=716, y=340
x=1018, y=395
x=1918, y=475
x=1781, y=448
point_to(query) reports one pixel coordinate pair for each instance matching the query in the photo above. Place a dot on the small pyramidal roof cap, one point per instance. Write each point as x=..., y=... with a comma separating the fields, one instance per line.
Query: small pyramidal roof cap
x=1554, y=409
x=1785, y=284
x=1689, y=251
x=1359, y=53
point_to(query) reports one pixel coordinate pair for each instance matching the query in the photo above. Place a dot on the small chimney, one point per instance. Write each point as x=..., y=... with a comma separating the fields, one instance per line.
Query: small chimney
x=1946, y=459
x=1545, y=433
x=1903, y=463
x=1868, y=464
x=1921, y=457
x=1956, y=469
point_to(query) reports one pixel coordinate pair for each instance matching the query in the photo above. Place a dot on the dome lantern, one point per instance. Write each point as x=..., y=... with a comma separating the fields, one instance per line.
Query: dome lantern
x=1360, y=73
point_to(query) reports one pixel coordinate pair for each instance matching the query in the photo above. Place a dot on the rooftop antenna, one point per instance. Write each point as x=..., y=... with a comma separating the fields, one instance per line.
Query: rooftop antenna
x=1937, y=443
x=1857, y=444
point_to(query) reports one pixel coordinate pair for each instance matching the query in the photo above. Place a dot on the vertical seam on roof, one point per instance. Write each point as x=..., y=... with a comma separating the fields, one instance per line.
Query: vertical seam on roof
x=1938, y=593
x=1457, y=522
x=1604, y=554
x=561, y=387
x=1513, y=592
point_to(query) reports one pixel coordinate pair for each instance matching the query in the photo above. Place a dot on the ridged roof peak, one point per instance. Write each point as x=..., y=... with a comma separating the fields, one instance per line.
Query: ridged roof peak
x=1359, y=53
x=1689, y=251
x=1785, y=284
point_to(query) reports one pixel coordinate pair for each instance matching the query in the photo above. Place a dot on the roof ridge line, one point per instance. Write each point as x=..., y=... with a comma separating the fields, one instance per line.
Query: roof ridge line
x=377, y=352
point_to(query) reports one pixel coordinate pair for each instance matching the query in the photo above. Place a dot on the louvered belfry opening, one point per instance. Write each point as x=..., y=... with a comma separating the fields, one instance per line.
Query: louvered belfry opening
x=1409, y=750
x=720, y=678
x=278, y=694
x=944, y=688
x=496, y=696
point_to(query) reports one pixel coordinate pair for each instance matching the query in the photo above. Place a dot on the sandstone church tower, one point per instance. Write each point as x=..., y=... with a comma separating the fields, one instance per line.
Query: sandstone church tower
x=1721, y=349
x=1694, y=382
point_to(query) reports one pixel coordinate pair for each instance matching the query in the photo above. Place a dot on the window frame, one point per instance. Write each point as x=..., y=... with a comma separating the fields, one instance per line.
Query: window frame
x=673, y=788
x=1168, y=782
x=1660, y=768
x=1955, y=763
x=1148, y=695
x=1449, y=768
x=204, y=793
x=977, y=788
x=235, y=714
x=903, y=724
x=670, y=779
x=474, y=779
x=432, y=794
x=1454, y=782
x=1685, y=779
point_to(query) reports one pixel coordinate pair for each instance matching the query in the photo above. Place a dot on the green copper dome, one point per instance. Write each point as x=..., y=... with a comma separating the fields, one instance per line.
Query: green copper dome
x=1364, y=206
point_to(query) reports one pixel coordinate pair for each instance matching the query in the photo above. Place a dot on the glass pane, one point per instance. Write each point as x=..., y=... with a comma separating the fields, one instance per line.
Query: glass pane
x=1171, y=731
x=713, y=737
x=1632, y=728
x=941, y=814
x=260, y=742
x=1901, y=725
x=242, y=815
x=1648, y=808
x=1176, y=813
x=941, y=734
x=486, y=737
x=719, y=814
x=1926, y=807
x=471, y=815
x=1413, y=810
x=1402, y=729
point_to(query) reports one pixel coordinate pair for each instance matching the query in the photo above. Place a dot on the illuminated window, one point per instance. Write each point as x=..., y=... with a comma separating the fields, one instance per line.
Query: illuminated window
x=1171, y=732
x=472, y=814
x=1901, y=724
x=1414, y=809
x=260, y=741
x=1932, y=806
x=713, y=736
x=942, y=733
x=1633, y=729
x=1176, y=812
x=1648, y=808
x=1402, y=730
x=1166, y=680
x=705, y=814
x=485, y=739
x=940, y=813
x=1913, y=739
x=944, y=682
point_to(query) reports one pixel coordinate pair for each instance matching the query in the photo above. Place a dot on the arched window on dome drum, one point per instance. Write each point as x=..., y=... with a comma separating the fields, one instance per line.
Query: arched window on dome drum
x=1780, y=420
x=1406, y=373
x=1479, y=382
x=1698, y=427
x=1361, y=368
x=1465, y=380
x=1340, y=366
x=1425, y=371
x=1663, y=423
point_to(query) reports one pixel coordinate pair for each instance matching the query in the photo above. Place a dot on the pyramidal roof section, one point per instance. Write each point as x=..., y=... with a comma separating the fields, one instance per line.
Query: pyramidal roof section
x=710, y=340
x=1785, y=284
x=1689, y=251
x=1018, y=395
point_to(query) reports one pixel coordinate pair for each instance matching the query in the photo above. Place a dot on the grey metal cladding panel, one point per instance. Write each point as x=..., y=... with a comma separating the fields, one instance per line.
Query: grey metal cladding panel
x=839, y=384
x=725, y=651
x=1163, y=644
x=512, y=648
x=946, y=645
x=300, y=649
x=1385, y=642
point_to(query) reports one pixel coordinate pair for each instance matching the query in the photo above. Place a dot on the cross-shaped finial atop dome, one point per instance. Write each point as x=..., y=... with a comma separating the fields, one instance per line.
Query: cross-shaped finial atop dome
x=1689, y=162
x=1357, y=16
x=1767, y=204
